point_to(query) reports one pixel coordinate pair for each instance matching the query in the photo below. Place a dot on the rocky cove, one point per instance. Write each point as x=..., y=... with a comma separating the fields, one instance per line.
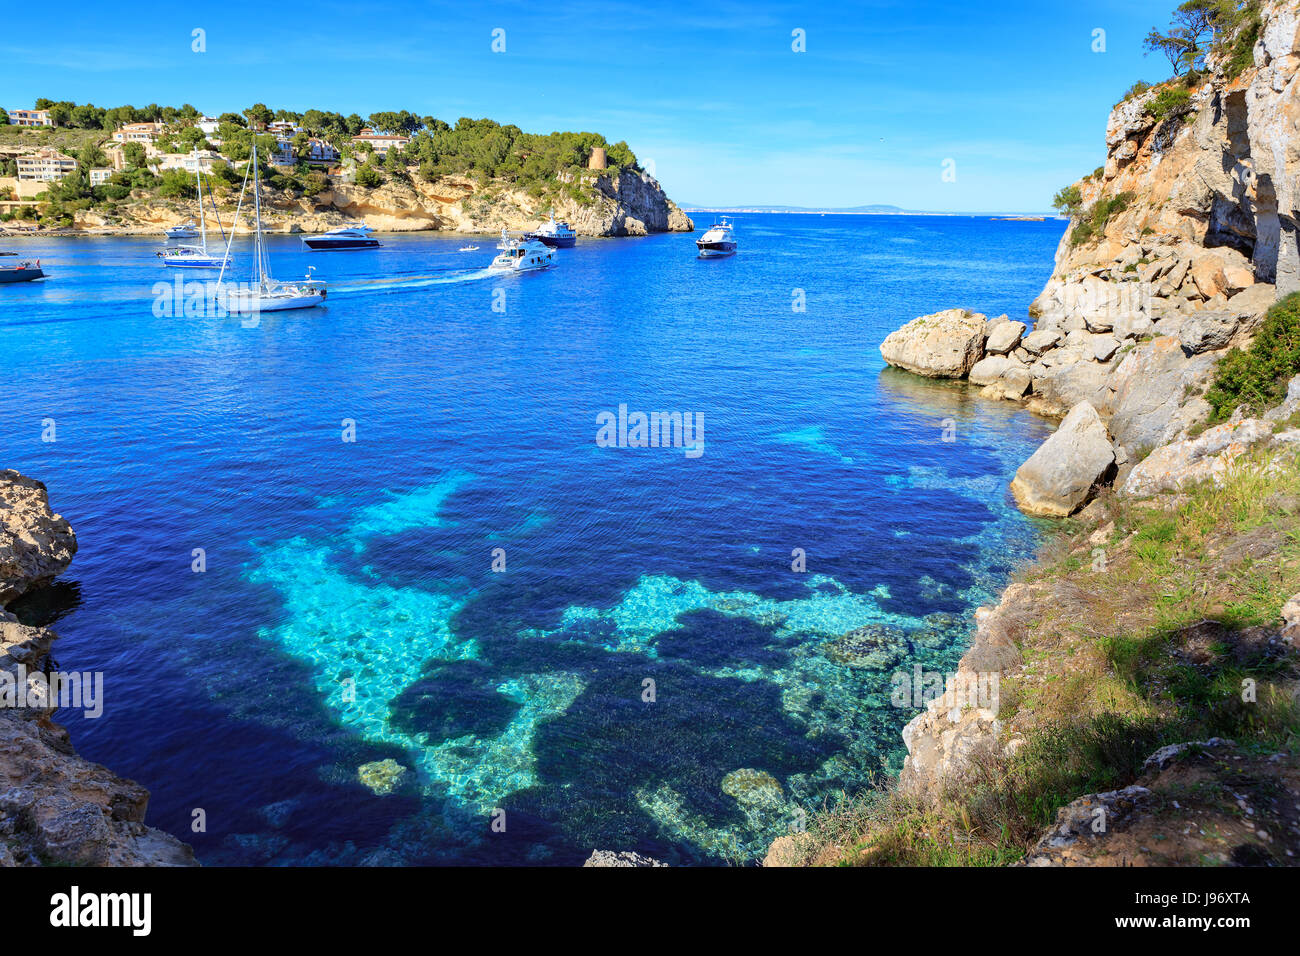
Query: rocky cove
x=1169, y=505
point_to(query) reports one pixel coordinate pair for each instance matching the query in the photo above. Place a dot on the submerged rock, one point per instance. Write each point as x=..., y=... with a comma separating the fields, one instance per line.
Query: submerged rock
x=873, y=647
x=383, y=777
x=617, y=858
x=1057, y=479
x=753, y=788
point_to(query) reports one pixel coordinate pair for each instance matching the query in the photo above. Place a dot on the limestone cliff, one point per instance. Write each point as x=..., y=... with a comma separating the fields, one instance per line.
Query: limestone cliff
x=621, y=203
x=56, y=808
x=1178, y=246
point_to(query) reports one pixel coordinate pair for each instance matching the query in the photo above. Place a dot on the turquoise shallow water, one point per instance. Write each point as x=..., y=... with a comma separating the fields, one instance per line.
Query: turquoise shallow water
x=350, y=681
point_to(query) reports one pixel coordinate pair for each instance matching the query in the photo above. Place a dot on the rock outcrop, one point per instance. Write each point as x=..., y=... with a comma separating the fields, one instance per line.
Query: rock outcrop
x=1221, y=805
x=56, y=808
x=943, y=345
x=961, y=725
x=1201, y=237
x=1058, y=477
x=35, y=543
x=1207, y=457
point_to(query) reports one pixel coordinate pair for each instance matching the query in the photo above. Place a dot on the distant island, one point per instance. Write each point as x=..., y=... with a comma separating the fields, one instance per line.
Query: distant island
x=874, y=209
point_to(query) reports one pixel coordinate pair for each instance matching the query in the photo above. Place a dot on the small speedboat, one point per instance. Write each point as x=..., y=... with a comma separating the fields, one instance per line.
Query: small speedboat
x=559, y=235
x=718, y=241
x=521, y=255
x=24, y=271
x=352, y=236
x=468, y=249
x=186, y=230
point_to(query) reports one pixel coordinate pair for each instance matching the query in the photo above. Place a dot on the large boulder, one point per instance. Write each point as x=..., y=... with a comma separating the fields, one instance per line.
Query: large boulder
x=1207, y=330
x=1150, y=387
x=943, y=345
x=1040, y=340
x=1058, y=477
x=1004, y=337
x=35, y=543
x=1065, y=386
x=989, y=369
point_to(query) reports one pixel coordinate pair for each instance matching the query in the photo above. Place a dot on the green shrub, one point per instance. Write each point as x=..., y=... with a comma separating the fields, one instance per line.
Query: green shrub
x=369, y=177
x=1172, y=101
x=1257, y=377
x=1247, y=24
x=1098, y=216
x=1137, y=89
x=1068, y=201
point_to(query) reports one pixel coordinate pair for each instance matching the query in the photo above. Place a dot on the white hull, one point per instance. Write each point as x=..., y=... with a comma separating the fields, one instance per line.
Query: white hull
x=252, y=304
x=521, y=268
x=192, y=262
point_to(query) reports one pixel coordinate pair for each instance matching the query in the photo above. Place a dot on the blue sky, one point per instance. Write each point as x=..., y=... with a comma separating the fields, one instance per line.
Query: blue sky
x=711, y=93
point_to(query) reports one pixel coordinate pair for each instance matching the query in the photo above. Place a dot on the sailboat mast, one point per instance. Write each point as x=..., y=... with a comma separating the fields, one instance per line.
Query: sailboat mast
x=198, y=181
x=257, y=209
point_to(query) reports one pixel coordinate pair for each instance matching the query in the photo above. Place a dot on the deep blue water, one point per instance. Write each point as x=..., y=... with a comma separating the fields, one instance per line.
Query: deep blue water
x=368, y=564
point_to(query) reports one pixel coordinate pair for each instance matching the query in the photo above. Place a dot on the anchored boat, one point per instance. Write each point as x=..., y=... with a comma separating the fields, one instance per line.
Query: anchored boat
x=23, y=271
x=352, y=236
x=265, y=294
x=197, y=257
x=186, y=230
x=558, y=235
x=718, y=241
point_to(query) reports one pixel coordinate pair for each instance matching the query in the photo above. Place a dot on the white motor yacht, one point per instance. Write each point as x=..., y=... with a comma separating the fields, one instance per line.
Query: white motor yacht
x=354, y=235
x=521, y=255
x=186, y=230
x=719, y=240
x=557, y=234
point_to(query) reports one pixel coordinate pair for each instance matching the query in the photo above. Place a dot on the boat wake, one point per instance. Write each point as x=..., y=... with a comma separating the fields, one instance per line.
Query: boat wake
x=412, y=282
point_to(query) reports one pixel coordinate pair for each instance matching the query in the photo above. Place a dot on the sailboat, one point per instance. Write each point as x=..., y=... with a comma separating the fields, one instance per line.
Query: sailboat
x=197, y=257
x=264, y=293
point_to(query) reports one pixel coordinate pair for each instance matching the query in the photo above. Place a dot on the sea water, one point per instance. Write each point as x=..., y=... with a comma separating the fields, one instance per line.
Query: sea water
x=364, y=586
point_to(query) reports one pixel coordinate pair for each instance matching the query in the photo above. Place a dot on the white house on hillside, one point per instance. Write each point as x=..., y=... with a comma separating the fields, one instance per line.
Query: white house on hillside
x=46, y=166
x=30, y=118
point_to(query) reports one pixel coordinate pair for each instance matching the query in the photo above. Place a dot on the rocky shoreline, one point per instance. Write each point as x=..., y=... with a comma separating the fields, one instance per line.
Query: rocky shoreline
x=1125, y=342
x=628, y=203
x=56, y=808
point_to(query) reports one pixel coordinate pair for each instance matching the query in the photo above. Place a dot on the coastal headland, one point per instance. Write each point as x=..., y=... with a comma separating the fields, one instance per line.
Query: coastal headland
x=115, y=176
